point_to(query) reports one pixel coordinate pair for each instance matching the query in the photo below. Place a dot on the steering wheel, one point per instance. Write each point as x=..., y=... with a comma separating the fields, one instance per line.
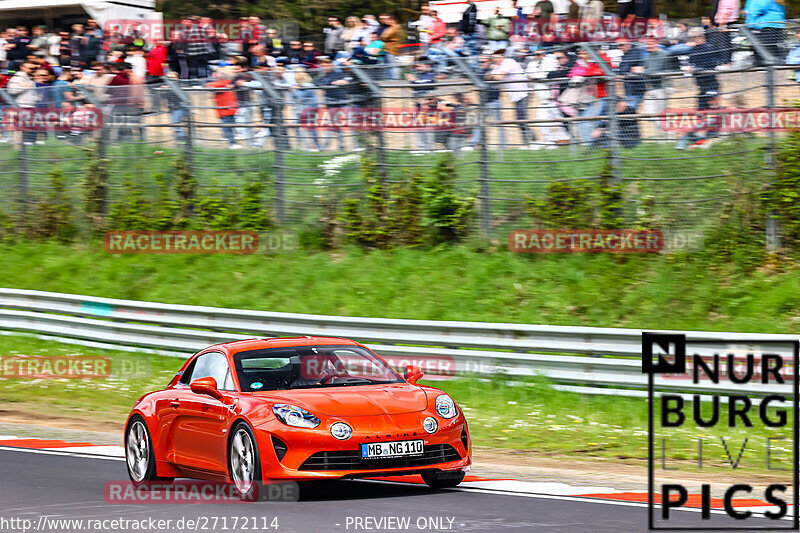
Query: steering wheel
x=326, y=378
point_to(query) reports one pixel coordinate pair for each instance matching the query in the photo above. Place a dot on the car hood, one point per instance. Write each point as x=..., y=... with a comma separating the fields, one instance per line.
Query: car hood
x=360, y=400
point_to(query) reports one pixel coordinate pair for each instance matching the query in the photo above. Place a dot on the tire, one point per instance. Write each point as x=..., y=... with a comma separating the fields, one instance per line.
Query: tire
x=244, y=462
x=140, y=458
x=442, y=480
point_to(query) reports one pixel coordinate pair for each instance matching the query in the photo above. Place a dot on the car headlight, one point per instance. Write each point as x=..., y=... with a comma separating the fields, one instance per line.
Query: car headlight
x=445, y=406
x=341, y=431
x=430, y=424
x=291, y=415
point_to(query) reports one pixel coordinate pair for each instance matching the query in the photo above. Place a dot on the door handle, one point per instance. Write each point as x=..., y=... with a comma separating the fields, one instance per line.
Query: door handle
x=175, y=403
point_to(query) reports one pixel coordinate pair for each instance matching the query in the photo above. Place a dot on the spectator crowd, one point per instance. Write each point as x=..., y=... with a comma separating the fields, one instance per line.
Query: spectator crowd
x=546, y=79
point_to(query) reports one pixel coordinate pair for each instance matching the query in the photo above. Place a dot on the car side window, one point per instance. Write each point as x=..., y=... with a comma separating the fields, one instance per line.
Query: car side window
x=186, y=377
x=214, y=365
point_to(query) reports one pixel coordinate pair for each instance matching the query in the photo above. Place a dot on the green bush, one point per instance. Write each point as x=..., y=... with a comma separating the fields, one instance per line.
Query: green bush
x=389, y=216
x=580, y=204
x=447, y=214
x=783, y=195
x=216, y=208
x=52, y=216
x=132, y=211
x=406, y=211
x=252, y=213
x=566, y=205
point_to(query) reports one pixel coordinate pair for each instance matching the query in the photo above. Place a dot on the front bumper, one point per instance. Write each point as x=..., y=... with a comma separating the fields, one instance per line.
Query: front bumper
x=316, y=454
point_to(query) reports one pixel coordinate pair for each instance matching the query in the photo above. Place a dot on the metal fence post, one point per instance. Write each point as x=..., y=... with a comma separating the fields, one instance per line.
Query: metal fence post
x=773, y=225
x=185, y=102
x=22, y=186
x=22, y=177
x=376, y=101
x=275, y=102
x=483, y=151
x=772, y=230
x=102, y=141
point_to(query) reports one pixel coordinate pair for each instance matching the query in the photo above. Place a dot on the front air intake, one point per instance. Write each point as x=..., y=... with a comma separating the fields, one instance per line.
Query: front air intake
x=465, y=438
x=280, y=447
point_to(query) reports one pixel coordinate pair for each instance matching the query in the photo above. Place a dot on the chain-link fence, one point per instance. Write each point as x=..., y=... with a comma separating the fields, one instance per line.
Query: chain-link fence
x=513, y=129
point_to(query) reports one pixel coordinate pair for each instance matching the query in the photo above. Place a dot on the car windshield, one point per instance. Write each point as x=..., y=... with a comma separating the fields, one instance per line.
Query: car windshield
x=303, y=367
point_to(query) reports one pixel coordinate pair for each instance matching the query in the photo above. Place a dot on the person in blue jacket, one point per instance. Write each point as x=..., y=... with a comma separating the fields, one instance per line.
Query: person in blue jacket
x=766, y=19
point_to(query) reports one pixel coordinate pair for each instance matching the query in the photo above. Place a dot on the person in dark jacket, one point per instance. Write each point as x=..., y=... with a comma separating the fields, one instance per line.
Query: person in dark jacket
x=422, y=81
x=703, y=59
x=632, y=67
x=337, y=95
x=17, y=49
x=468, y=26
x=627, y=129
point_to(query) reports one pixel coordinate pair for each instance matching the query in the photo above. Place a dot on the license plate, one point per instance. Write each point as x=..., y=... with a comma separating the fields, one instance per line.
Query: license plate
x=377, y=450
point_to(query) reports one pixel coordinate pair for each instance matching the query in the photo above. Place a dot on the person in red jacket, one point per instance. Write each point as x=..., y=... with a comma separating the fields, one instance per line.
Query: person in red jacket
x=225, y=101
x=580, y=75
x=438, y=28
x=156, y=62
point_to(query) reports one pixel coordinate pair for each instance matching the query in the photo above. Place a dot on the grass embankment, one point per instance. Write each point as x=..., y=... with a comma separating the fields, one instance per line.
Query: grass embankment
x=679, y=291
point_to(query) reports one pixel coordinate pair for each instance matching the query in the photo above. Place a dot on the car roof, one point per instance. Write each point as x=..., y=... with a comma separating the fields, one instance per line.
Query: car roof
x=283, y=342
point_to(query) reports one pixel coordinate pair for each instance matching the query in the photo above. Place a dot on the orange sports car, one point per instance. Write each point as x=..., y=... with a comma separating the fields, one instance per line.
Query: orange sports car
x=300, y=408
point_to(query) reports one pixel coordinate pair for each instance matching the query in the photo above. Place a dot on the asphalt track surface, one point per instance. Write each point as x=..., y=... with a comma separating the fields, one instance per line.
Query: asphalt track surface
x=61, y=486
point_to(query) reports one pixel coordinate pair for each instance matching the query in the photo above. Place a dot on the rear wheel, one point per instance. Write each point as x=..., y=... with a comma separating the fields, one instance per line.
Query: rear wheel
x=244, y=463
x=442, y=480
x=139, y=455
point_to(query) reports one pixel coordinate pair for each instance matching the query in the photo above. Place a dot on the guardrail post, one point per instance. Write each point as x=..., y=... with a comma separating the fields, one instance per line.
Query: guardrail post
x=281, y=140
x=773, y=230
x=483, y=149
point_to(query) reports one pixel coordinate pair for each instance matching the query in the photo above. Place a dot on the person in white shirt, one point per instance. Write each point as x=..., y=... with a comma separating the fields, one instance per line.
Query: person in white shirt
x=135, y=56
x=424, y=25
x=53, y=49
x=552, y=133
x=5, y=38
x=560, y=7
x=516, y=89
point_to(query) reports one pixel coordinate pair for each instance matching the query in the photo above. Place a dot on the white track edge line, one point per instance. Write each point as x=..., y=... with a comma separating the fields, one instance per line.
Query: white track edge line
x=69, y=454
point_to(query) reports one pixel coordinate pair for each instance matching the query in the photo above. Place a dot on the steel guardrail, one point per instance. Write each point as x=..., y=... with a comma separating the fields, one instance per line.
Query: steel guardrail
x=573, y=355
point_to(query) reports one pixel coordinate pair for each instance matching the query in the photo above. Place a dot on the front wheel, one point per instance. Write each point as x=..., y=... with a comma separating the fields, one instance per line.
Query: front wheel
x=139, y=455
x=244, y=463
x=442, y=480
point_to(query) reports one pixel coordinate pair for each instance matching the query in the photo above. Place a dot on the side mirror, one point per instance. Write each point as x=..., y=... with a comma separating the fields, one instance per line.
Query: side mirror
x=413, y=373
x=206, y=386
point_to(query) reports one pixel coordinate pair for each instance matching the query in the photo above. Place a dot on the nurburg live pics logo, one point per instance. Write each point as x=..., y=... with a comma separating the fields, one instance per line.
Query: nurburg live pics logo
x=717, y=367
